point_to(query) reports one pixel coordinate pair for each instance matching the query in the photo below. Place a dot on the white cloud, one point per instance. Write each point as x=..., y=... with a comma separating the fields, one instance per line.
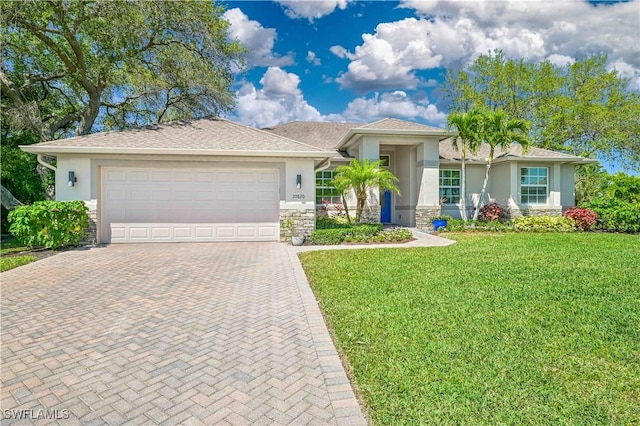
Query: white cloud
x=341, y=52
x=628, y=71
x=454, y=33
x=311, y=9
x=279, y=101
x=311, y=58
x=258, y=40
x=560, y=60
x=391, y=104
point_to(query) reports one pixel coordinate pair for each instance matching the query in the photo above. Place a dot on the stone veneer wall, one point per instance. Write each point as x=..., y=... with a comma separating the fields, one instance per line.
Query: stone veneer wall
x=370, y=214
x=91, y=233
x=537, y=211
x=424, y=215
x=304, y=220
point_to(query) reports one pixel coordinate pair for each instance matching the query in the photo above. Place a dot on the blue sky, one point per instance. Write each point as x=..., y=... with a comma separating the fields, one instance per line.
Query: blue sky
x=342, y=60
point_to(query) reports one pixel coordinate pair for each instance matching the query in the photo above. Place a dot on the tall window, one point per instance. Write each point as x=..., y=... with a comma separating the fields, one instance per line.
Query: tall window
x=534, y=183
x=450, y=186
x=324, y=189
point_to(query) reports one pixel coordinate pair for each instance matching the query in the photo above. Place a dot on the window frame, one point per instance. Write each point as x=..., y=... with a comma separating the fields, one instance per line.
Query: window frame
x=319, y=200
x=537, y=185
x=458, y=187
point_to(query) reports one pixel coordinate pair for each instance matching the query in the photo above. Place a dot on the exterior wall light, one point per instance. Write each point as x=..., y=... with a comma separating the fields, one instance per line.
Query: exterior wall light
x=72, y=178
x=299, y=181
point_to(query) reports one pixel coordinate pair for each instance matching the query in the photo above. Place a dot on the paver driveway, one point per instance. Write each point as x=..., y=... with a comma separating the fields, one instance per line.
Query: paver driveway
x=170, y=333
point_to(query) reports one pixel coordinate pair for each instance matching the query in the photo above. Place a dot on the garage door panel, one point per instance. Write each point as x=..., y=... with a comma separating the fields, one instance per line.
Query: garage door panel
x=128, y=232
x=190, y=205
x=137, y=176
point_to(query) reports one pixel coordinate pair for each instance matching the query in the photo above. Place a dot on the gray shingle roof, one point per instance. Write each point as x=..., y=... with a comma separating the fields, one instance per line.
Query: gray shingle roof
x=447, y=151
x=325, y=135
x=214, y=134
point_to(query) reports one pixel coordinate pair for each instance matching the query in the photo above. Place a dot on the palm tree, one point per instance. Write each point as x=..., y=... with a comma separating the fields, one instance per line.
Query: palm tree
x=342, y=185
x=498, y=130
x=468, y=125
x=361, y=176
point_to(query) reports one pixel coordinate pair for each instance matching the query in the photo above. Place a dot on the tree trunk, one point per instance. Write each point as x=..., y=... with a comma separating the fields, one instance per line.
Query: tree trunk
x=463, y=190
x=484, y=189
x=346, y=208
x=362, y=201
x=9, y=202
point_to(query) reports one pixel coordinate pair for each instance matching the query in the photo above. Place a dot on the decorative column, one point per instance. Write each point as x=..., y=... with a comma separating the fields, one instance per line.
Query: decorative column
x=369, y=149
x=428, y=179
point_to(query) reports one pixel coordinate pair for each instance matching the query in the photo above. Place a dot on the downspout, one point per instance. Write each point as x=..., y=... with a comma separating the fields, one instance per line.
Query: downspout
x=323, y=165
x=45, y=164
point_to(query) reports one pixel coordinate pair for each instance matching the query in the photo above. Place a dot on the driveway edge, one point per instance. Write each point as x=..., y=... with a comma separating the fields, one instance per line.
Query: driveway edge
x=344, y=403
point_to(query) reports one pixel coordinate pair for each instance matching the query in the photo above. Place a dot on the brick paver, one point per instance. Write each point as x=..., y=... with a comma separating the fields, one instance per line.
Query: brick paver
x=220, y=333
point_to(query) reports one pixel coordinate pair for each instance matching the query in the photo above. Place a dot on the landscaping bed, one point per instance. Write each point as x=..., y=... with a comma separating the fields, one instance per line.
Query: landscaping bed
x=506, y=328
x=334, y=231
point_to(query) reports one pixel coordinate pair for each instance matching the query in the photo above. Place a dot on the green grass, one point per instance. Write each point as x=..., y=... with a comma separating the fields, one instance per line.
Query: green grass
x=495, y=329
x=12, y=245
x=11, y=262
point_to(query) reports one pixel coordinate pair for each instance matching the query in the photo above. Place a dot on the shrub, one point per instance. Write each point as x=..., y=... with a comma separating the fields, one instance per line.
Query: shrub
x=583, y=217
x=616, y=215
x=326, y=222
x=386, y=236
x=491, y=212
x=328, y=236
x=543, y=224
x=50, y=224
x=334, y=236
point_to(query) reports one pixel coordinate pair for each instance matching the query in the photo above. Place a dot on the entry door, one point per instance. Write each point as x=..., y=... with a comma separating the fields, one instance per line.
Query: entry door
x=385, y=208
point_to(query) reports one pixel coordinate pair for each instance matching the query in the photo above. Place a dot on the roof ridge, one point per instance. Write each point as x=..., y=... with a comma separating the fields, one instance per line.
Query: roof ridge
x=315, y=148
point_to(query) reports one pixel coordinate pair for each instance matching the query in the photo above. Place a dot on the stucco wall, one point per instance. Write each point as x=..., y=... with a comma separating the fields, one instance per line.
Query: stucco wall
x=295, y=203
x=500, y=184
x=568, y=199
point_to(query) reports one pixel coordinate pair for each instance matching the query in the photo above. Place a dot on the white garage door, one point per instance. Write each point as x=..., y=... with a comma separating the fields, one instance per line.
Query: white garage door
x=159, y=205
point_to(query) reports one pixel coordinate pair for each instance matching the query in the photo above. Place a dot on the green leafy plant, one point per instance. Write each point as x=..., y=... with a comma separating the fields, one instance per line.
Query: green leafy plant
x=334, y=236
x=333, y=222
x=50, y=224
x=386, y=236
x=457, y=225
x=543, y=224
x=584, y=218
x=616, y=215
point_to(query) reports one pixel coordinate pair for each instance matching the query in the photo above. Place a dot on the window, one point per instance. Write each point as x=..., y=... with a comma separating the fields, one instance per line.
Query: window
x=533, y=185
x=385, y=160
x=324, y=189
x=449, y=186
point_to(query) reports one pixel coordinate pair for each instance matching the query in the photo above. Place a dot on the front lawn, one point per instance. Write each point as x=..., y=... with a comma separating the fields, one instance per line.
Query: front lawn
x=495, y=329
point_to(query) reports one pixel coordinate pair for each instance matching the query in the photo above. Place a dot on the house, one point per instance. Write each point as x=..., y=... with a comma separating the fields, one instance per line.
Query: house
x=216, y=180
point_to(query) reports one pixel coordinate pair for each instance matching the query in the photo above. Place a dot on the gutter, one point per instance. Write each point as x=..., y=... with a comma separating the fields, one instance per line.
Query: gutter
x=53, y=150
x=45, y=164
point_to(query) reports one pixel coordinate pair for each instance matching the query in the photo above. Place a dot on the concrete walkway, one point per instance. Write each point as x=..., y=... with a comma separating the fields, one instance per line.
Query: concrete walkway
x=221, y=333
x=422, y=239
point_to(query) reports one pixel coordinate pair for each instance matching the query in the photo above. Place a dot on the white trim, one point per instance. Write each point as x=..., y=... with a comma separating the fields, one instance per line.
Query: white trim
x=520, y=186
x=173, y=151
x=459, y=187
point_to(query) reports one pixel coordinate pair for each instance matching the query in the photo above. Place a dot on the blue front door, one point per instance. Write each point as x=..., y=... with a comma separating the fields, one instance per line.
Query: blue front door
x=385, y=208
